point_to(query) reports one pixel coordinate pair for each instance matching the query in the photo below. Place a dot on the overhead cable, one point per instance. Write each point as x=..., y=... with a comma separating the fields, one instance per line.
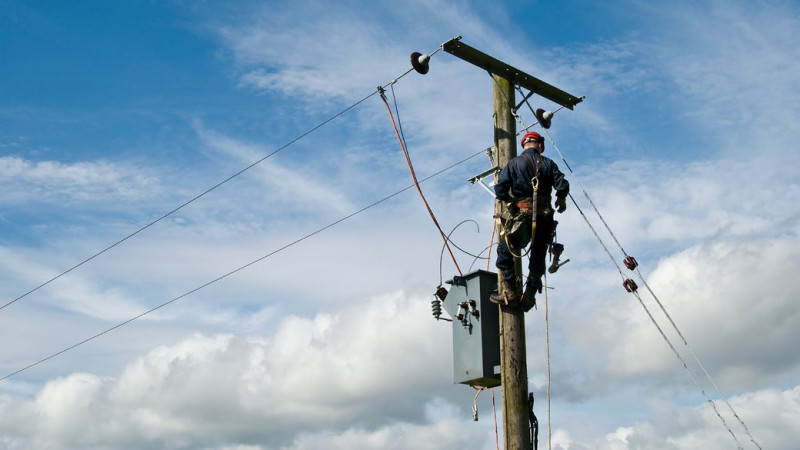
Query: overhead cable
x=198, y=196
x=192, y=200
x=238, y=269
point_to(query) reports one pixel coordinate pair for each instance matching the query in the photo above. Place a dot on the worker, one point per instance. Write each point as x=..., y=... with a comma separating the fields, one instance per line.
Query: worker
x=514, y=187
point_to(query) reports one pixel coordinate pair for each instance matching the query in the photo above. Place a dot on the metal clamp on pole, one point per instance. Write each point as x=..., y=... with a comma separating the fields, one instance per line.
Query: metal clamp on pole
x=480, y=177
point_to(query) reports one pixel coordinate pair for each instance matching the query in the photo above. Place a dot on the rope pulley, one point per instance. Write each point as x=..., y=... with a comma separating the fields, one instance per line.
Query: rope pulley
x=544, y=117
x=419, y=61
x=630, y=285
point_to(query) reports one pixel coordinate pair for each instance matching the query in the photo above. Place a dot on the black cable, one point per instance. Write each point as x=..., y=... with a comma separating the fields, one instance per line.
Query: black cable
x=236, y=270
x=320, y=125
x=441, y=254
x=534, y=423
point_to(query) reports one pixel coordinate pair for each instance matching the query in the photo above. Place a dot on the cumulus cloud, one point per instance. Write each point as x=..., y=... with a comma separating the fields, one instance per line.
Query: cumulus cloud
x=772, y=412
x=745, y=289
x=719, y=252
x=328, y=374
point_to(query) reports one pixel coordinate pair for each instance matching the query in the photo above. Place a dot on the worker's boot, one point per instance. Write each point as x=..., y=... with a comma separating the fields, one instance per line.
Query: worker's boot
x=509, y=296
x=532, y=286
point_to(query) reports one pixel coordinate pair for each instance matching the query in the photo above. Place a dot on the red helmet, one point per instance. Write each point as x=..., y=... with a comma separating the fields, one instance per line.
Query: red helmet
x=531, y=136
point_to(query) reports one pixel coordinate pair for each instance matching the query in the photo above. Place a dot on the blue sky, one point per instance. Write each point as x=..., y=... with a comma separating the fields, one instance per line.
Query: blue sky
x=113, y=114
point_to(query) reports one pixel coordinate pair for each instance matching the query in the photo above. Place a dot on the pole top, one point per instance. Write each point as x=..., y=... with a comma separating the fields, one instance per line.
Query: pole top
x=472, y=55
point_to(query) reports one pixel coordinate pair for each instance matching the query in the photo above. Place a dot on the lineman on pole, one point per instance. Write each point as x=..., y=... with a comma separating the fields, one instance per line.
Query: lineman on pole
x=525, y=185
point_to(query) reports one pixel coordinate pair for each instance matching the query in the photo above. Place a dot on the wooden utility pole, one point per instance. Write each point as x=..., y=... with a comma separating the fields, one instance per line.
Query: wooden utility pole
x=513, y=361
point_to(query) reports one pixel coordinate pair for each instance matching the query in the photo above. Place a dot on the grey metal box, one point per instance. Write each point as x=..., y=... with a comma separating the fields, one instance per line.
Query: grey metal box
x=476, y=337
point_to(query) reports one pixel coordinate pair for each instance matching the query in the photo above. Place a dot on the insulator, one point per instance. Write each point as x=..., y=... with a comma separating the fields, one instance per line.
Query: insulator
x=630, y=285
x=462, y=308
x=436, y=305
x=441, y=293
x=419, y=62
x=556, y=249
x=544, y=117
x=630, y=262
x=470, y=305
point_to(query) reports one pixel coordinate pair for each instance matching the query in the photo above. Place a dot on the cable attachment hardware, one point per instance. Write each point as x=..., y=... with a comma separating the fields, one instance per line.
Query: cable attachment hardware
x=630, y=285
x=630, y=262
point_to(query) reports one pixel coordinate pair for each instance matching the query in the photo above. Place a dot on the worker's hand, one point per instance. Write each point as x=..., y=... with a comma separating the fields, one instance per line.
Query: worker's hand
x=561, y=204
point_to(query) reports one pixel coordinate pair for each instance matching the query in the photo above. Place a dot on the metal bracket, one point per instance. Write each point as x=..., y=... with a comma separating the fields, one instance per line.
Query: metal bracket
x=479, y=178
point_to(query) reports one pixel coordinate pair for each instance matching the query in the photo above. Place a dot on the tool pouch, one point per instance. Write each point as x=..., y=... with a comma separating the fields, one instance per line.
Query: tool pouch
x=517, y=228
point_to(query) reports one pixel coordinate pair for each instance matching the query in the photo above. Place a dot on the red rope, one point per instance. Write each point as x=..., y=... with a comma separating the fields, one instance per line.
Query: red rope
x=416, y=183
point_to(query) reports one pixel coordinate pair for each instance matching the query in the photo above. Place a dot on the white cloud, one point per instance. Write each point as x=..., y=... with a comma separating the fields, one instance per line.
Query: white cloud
x=331, y=372
x=25, y=182
x=721, y=234
x=772, y=416
x=721, y=295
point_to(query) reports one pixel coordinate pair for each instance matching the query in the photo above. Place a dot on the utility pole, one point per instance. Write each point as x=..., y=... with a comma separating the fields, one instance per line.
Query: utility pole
x=513, y=361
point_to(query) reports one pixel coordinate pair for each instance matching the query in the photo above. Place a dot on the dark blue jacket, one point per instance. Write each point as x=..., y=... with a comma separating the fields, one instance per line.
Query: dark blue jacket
x=515, y=178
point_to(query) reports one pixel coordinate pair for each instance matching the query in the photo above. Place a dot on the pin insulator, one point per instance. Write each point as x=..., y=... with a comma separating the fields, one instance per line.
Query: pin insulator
x=630, y=285
x=630, y=262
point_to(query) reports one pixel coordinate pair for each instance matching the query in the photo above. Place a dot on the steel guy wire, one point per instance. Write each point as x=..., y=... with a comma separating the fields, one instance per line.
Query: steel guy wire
x=238, y=269
x=658, y=327
x=644, y=281
x=661, y=306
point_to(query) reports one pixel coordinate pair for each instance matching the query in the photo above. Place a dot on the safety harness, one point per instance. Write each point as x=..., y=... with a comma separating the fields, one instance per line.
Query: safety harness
x=528, y=207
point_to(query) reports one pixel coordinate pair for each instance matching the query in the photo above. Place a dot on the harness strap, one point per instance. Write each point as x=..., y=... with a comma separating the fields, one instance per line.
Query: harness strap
x=535, y=186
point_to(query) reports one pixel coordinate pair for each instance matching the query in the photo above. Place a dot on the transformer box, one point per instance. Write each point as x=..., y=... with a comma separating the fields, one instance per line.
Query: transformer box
x=476, y=328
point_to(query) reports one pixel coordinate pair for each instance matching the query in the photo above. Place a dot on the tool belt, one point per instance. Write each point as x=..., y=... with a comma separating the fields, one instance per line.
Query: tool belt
x=543, y=207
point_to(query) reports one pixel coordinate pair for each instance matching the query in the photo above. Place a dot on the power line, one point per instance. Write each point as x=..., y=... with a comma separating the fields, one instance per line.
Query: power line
x=162, y=217
x=221, y=277
x=193, y=199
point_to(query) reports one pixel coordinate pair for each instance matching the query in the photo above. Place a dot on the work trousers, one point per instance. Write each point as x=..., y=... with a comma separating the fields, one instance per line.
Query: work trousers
x=536, y=261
